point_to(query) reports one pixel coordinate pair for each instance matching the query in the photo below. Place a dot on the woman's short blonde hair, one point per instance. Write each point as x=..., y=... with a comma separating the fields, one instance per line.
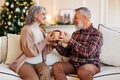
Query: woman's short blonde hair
x=33, y=10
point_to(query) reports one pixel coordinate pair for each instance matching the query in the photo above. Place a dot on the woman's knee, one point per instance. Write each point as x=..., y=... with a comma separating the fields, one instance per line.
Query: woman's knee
x=56, y=66
x=46, y=70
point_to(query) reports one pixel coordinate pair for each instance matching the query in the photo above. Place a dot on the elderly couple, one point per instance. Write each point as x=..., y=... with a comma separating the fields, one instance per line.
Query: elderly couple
x=83, y=48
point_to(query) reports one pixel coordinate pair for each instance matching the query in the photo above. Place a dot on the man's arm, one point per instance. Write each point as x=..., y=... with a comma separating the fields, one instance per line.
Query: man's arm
x=64, y=51
x=94, y=44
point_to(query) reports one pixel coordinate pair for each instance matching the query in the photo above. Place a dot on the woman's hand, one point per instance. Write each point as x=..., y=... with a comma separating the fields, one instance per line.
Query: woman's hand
x=53, y=43
x=49, y=38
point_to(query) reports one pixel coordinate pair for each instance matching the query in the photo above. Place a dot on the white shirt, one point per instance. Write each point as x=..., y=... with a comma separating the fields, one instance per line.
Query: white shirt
x=38, y=36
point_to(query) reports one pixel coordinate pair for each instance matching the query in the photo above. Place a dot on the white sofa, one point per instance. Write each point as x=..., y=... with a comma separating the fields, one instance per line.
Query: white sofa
x=110, y=56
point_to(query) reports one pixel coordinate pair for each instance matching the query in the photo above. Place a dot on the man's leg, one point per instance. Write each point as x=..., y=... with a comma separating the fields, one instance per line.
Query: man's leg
x=87, y=71
x=27, y=72
x=62, y=68
x=43, y=71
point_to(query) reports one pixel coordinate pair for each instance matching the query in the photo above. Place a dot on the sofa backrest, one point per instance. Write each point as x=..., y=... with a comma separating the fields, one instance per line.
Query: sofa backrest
x=3, y=48
x=0, y=49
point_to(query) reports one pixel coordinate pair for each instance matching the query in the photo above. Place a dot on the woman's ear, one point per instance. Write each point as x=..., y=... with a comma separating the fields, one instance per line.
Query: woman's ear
x=36, y=15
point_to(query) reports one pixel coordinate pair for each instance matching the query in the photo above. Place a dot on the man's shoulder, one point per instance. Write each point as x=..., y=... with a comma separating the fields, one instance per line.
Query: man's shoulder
x=96, y=31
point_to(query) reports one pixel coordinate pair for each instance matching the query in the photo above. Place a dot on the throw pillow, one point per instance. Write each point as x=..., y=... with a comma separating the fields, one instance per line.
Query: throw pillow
x=13, y=46
x=110, y=53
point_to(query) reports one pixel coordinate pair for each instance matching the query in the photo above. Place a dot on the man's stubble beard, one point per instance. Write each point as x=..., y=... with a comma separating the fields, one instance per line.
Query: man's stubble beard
x=79, y=26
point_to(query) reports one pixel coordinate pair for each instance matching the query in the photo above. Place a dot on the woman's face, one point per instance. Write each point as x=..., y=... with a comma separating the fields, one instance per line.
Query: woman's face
x=41, y=17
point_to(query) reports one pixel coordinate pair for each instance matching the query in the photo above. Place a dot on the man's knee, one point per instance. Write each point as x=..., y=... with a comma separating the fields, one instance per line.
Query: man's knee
x=82, y=72
x=87, y=72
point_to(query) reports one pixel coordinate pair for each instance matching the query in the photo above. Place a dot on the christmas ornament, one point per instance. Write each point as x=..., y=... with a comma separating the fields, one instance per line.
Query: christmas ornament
x=7, y=3
x=9, y=23
x=17, y=10
x=12, y=5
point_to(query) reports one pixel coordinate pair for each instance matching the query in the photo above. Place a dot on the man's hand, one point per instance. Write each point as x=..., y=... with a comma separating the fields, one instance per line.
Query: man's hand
x=65, y=38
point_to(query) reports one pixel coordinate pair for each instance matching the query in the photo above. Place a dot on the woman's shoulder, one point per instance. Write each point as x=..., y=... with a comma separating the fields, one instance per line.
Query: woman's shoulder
x=26, y=28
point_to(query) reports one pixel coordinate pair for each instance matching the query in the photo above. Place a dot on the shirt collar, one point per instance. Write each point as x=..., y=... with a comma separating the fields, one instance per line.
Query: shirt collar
x=87, y=29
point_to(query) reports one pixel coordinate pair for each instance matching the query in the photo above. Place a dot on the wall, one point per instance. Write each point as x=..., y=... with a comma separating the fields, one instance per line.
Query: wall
x=1, y=3
x=103, y=11
x=54, y=7
x=113, y=13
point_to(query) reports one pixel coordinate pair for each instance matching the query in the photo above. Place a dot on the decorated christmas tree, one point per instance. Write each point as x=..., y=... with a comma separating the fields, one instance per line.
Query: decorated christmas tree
x=13, y=15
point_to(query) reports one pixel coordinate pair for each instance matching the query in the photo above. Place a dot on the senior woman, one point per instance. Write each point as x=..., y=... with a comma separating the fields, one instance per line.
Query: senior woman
x=34, y=46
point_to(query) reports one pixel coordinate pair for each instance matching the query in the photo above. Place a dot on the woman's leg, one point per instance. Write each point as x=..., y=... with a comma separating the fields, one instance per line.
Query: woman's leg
x=87, y=71
x=43, y=71
x=62, y=68
x=27, y=72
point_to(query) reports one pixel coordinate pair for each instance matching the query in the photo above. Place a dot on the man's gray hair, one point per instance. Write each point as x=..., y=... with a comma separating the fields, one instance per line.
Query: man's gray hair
x=84, y=11
x=33, y=10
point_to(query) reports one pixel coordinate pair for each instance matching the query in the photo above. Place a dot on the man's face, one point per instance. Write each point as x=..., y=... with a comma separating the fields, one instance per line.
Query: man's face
x=78, y=20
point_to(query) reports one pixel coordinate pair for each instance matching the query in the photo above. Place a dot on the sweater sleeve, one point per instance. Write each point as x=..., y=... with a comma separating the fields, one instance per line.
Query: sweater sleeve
x=27, y=43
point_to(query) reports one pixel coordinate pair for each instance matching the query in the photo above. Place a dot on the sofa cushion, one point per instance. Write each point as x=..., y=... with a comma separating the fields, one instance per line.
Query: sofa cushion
x=7, y=74
x=110, y=53
x=107, y=73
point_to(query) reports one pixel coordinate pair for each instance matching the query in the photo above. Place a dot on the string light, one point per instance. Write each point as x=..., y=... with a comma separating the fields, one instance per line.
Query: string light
x=31, y=3
x=6, y=27
x=27, y=4
x=9, y=16
x=21, y=17
x=5, y=23
x=15, y=16
x=7, y=9
x=11, y=12
x=24, y=3
x=21, y=4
